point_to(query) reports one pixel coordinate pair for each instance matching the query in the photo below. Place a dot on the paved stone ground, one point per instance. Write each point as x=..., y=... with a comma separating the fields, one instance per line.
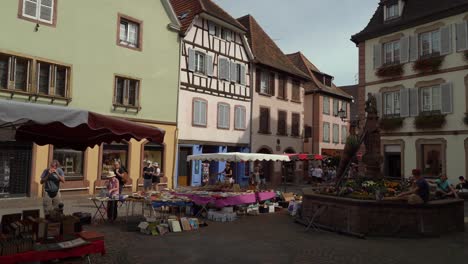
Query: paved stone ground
x=272, y=238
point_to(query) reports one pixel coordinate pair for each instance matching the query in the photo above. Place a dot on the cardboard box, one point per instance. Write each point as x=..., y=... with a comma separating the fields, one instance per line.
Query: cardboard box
x=68, y=225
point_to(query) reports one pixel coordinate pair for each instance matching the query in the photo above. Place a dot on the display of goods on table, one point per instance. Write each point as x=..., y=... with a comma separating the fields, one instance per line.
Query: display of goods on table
x=366, y=189
x=174, y=224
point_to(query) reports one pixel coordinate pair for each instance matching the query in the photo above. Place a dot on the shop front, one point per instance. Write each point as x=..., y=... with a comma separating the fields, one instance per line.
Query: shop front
x=15, y=169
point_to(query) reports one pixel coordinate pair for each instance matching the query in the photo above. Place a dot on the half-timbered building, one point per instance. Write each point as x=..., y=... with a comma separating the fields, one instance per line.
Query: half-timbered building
x=214, y=96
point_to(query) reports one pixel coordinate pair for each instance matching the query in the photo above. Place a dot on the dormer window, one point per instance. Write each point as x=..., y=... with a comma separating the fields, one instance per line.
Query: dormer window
x=327, y=81
x=392, y=9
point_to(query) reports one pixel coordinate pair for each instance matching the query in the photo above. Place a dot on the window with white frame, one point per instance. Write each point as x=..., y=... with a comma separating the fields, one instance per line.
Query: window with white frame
x=199, y=112
x=126, y=92
x=326, y=105
x=431, y=99
x=392, y=52
x=392, y=11
x=264, y=83
x=344, y=107
x=129, y=33
x=226, y=34
x=200, y=62
x=240, y=116
x=39, y=10
x=326, y=132
x=239, y=71
x=391, y=103
x=223, y=116
x=429, y=43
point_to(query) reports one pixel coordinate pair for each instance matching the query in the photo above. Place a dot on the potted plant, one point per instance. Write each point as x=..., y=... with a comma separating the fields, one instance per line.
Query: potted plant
x=392, y=70
x=391, y=123
x=428, y=64
x=428, y=121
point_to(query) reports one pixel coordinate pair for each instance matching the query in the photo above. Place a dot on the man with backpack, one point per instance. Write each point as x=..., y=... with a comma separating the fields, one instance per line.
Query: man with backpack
x=51, y=179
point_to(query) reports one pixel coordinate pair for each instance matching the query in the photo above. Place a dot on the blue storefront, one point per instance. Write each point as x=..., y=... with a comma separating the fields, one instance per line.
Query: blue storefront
x=190, y=173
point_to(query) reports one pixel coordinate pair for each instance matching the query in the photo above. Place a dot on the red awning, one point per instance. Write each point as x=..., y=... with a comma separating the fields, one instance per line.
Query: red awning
x=304, y=156
x=71, y=128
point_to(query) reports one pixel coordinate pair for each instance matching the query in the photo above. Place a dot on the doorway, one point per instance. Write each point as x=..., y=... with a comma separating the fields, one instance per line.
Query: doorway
x=15, y=169
x=184, y=167
x=267, y=166
x=392, y=165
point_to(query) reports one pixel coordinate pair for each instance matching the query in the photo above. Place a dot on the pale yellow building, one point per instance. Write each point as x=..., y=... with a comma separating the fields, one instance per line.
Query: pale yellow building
x=413, y=58
x=117, y=58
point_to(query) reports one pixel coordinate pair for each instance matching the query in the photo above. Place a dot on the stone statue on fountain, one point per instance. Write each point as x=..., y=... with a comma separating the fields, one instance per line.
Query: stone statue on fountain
x=372, y=158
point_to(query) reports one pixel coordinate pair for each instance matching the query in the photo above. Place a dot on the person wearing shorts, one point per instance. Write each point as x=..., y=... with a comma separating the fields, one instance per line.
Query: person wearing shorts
x=148, y=172
x=51, y=179
x=156, y=176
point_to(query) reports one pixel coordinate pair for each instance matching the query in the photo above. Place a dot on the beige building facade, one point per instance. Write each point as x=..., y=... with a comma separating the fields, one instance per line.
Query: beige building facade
x=417, y=69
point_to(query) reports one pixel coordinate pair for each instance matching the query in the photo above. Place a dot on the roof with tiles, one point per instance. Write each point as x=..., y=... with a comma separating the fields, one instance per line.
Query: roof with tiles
x=415, y=12
x=187, y=10
x=265, y=50
x=308, y=67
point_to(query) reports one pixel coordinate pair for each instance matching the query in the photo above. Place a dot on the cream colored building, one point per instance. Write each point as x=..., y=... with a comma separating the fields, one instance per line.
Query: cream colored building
x=414, y=60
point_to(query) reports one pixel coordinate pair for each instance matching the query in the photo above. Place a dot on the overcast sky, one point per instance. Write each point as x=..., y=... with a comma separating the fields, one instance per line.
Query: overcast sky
x=321, y=29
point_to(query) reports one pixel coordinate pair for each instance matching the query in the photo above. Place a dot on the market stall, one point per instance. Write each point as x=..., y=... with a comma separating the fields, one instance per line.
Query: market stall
x=58, y=236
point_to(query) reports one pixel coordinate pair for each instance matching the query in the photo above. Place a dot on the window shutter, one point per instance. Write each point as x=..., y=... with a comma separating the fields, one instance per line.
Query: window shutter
x=191, y=60
x=46, y=10
x=221, y=73
x=414, y=102
x=377, y=56
x=413, y=49
x=462, y=41
x=404, y=50
x=203, y=112
x=272, y=84
x=243, y=75
x=258, y=78
x=228, y=35
x=446, y=40
x=378, y=99
x=447, y=98
x=30, y=8
x=209, y=65
x=404, y=102
x=233, y=71
x=211, y=28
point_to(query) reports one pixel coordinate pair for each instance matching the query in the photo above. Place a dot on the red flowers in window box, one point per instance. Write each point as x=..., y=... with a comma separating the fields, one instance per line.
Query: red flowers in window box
x=428, y=64
x=392, y=70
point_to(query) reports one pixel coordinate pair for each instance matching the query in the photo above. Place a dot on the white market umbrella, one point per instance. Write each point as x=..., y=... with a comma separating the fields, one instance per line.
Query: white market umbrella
x=238, y=157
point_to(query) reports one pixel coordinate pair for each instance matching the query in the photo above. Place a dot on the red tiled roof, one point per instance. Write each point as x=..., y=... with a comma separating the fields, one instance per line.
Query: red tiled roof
x=309, y=68
x=265, y=50
x=186, y=10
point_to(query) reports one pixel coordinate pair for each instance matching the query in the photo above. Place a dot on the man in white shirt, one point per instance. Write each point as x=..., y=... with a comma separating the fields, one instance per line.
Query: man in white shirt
x=317, y=173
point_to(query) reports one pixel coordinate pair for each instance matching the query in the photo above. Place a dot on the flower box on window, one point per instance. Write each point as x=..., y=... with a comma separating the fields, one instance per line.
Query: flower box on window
x=428, y=64
x=391, y=123
x=428, y=120
x=392, y=70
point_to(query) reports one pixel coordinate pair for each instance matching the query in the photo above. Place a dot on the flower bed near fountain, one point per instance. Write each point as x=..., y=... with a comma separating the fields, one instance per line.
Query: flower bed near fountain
x=384, y=218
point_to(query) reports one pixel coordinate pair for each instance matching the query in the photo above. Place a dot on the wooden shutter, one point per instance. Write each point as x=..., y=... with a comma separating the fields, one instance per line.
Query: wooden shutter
x=446, y=40
x=258, y=80
x=404, y=102
x=243, y=75
x=377, y=56
x=462, y=41
x=221, y=68
x=30, y=8
x=191, y=60
x=233, y=71
x=404, y=50
x=413, y=48
x=378, y=99
x=209, y=65
x=447, y=98
x=414, y=102
x=211, y=28
x=272, y=84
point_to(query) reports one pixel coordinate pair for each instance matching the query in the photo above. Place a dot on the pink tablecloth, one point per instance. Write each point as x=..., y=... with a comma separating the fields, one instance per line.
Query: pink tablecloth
x=263, y=196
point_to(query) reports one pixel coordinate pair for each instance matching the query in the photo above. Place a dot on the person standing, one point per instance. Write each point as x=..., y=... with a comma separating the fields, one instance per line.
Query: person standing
x=262, y=176
x=148, y=172
x=51, y=179
x=156, y=176
x=121, y=175
x=318, y=173
x=113, y=192
x=227, y=173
